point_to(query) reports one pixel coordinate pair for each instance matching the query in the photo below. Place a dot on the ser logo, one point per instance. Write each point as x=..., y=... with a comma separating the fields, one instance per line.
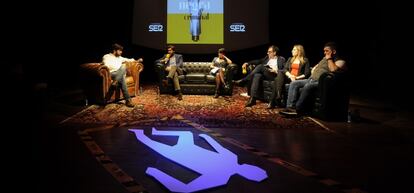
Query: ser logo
x=155, y=27
x=237, y=27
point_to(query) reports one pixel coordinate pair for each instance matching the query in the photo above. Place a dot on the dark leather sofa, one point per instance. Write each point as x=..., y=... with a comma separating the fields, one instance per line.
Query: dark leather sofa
x=196, y=79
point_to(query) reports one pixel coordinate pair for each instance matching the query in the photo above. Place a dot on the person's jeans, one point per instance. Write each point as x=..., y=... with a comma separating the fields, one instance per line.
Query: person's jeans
x=294, y=91
x=306, y=95
x=119, y=76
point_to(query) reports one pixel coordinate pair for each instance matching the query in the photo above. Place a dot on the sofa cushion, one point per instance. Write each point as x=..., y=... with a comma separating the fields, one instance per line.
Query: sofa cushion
x=211, y=79
x=194, y=78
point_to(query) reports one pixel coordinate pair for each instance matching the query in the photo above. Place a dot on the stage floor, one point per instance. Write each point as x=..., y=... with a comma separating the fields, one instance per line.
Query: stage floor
x=372, y=154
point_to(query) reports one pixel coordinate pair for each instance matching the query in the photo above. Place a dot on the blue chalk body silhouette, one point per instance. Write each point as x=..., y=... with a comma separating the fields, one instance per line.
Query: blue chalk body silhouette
x=215, y=168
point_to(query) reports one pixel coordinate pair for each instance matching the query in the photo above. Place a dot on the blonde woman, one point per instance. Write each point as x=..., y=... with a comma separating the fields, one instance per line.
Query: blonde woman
x=296, y=68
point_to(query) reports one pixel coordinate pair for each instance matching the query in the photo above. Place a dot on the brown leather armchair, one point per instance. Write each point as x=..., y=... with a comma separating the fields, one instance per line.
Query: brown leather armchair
x=96, y=80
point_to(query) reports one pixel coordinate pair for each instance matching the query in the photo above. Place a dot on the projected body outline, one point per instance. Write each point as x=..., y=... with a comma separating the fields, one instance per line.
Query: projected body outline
x=215, y=168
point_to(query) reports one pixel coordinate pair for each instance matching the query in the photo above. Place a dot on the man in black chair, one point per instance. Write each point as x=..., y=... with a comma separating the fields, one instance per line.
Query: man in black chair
x=267, y=67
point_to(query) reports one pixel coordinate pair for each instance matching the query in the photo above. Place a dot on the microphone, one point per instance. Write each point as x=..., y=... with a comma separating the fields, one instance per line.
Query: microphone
x=167, y=57
x=244, y=69
x=195, y=22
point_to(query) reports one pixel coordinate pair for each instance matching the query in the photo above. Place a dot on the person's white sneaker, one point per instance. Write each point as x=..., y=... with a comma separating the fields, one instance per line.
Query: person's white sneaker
x=245, y=94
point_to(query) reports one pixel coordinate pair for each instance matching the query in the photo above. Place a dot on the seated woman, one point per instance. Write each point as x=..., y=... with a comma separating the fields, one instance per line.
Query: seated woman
x=296, y=67
x=218, y=67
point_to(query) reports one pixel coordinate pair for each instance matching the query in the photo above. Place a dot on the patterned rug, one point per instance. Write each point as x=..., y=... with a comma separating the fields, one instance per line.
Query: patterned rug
x=223, y=112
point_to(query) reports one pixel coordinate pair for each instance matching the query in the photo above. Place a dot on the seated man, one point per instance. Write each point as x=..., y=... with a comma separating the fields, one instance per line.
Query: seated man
x=268, y=67
x=330, y=63
x=117, y=68
x=173, y=63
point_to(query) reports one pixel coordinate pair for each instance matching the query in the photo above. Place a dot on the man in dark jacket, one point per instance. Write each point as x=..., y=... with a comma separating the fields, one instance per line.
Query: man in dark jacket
x=173, y=65
x=267, y=67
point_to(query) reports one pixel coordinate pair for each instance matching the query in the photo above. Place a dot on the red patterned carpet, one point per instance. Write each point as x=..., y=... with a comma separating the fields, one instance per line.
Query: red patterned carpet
x=223, y=112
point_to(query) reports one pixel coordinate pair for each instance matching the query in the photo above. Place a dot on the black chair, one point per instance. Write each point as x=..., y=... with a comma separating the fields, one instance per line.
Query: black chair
x=332, y=97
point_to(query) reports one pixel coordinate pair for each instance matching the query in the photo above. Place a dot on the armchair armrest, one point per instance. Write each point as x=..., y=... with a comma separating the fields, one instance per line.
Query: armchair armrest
x=231, y=71
x=134, y=69
x=334, y=80
x=232, y=68
x=159, y=68
x=95, y=80
x=333, y=95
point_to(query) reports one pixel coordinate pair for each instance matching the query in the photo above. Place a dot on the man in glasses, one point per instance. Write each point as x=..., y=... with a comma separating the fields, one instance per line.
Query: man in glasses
x=267, y=68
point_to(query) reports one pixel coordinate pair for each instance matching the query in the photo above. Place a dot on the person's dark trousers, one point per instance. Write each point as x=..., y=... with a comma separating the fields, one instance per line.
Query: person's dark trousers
x=278, y=88
x=259, y=69
x=173, y=75
x=307, y=96
x=119, y=76
x=249, y=87
x=257, y=80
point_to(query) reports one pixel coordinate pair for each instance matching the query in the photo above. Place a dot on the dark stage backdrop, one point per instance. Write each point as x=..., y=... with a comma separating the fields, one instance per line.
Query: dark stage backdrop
x=67, y=34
